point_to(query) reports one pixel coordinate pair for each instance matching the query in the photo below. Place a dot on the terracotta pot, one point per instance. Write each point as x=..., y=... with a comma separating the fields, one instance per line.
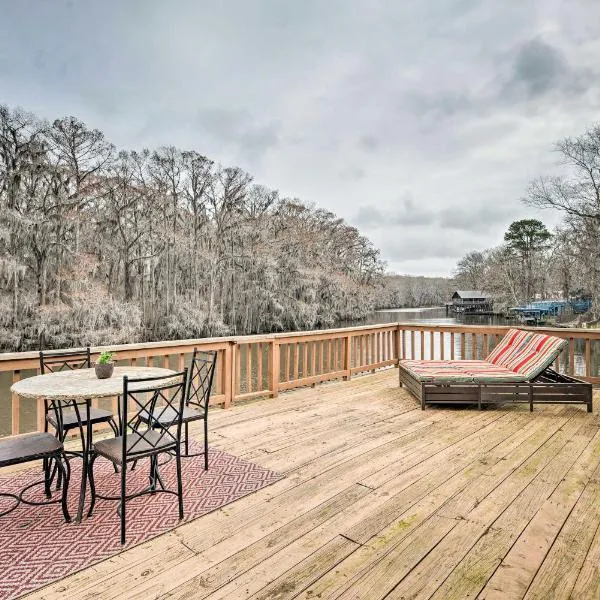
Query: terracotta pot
x=104, y=371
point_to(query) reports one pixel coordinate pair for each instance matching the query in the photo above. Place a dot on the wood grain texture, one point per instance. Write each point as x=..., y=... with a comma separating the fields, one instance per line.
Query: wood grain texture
x=382, y=500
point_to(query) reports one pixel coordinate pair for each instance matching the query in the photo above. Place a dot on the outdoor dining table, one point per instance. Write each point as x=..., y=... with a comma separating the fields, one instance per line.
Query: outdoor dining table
x=82, y=386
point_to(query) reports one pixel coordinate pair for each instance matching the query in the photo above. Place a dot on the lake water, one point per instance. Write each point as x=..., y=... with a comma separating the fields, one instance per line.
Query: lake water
x=432, y=316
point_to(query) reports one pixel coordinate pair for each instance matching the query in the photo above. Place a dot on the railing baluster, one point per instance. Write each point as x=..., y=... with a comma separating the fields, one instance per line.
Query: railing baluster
x=238, y=369
x=431, y=345
x=452, y=342
x=248, y=368
x=275, y=368
x=347, y=366
x=296, y=360
x=571, y=356
x=422, y=344
x=259, y=367
x=15, y=406
x=588, y=357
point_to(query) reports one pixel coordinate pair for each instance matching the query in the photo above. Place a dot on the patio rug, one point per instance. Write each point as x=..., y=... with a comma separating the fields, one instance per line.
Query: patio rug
x=37, y=547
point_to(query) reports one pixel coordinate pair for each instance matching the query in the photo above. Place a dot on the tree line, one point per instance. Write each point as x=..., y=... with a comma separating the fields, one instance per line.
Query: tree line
x=103, y=245
x=536, y=263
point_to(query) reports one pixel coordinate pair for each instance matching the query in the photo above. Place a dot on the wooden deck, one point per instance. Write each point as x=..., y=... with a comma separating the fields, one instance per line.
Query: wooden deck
x=383, y=500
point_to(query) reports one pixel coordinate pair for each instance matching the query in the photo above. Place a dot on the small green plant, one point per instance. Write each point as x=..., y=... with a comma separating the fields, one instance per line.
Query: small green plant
x=105, y=358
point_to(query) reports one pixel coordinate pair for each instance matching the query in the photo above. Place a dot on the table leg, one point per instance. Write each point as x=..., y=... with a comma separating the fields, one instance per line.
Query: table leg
x=86, y=446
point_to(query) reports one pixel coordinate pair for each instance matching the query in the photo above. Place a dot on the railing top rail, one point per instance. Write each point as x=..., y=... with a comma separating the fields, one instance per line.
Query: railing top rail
x=8, y=360
x=566, y=332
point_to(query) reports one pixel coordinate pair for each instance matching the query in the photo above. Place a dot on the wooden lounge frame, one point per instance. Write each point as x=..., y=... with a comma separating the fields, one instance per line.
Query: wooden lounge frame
x=549, y=387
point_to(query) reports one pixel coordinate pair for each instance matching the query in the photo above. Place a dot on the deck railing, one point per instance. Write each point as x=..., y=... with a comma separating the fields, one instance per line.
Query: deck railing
x=264, y=365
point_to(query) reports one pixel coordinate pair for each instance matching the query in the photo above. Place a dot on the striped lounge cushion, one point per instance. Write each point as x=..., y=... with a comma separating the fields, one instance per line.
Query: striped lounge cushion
x=508, y=345
x=526, y=352
x=459, y=371
x=535, y=355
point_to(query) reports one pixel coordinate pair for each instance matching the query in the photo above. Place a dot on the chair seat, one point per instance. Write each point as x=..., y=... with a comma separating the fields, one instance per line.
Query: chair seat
x=97, y=415
x=139, y=446
x=166, y=415
x=24, y=448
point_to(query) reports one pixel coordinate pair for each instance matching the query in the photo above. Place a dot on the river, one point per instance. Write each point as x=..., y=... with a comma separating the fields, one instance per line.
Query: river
x=432, y=316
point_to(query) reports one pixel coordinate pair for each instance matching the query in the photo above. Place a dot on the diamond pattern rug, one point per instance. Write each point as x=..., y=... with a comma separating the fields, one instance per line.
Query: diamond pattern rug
x=37, y=547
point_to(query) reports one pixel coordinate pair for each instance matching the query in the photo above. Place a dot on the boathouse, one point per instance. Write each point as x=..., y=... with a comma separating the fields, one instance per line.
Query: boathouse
x=472, y=302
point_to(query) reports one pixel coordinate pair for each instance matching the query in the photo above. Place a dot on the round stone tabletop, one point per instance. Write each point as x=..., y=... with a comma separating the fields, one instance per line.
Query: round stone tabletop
x=83, y=383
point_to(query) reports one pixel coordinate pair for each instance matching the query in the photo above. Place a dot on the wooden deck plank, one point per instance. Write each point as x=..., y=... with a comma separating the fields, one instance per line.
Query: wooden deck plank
x=559, y=571
x=519, y=566
x=381, y=499
x=377, y=560
x=514, y=492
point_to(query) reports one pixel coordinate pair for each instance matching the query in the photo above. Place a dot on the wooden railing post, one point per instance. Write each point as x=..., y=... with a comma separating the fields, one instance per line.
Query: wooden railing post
x=348, y=357
x=274, y=367
x=228, y=374
x=15, y=406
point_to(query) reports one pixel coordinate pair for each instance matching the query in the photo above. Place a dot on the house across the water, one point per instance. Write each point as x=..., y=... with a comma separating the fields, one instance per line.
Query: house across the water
x=471, y=302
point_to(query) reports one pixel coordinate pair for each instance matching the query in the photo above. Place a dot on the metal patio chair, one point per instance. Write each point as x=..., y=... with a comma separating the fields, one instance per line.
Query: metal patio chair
x=49, y=449
x=197, y=399
x=161, y=401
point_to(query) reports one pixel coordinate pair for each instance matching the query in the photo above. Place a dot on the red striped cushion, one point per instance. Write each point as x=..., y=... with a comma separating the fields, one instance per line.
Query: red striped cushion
x=507, y=346
x=538, y=353
x=459, y=371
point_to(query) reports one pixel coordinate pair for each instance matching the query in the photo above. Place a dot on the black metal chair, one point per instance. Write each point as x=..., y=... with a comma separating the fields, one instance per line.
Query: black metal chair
x=145, y=438
x=197, y=398
x=45, y=447
x=52, y=361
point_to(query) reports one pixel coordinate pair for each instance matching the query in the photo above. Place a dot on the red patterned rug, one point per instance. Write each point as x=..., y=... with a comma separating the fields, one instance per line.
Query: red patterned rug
x=37, y=547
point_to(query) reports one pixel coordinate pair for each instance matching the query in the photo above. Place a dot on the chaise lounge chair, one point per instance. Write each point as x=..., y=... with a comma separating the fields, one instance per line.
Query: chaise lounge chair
x=517, y=370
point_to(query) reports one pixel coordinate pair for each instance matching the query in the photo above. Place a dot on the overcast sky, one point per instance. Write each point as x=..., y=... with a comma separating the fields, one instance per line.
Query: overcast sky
x=419, y=121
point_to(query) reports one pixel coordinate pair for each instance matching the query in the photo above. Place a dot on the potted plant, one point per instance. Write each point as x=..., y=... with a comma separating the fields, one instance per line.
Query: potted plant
x=104, y=366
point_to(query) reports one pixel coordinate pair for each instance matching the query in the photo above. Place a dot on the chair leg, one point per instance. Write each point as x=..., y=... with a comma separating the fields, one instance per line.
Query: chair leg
x=92, y=484
x=66, y=475
x=205, y=444
x=152, y=476
x=179, y=481
x=47, y=482
x=123, y=494
x=186, y=438
x=115, y=428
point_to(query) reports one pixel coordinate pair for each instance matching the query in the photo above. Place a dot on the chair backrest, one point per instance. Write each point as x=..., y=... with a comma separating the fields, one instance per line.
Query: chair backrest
x=152, y=408
x=507, y=346
x=57, y=407
x=526, y=352
x=200, y=382
x=52, y=361
x=536, y=354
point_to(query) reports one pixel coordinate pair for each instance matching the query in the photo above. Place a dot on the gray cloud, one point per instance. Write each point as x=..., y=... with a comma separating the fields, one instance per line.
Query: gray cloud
x=341, y=103
x=539, y=69
x=404, y=212
x=477, y=219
